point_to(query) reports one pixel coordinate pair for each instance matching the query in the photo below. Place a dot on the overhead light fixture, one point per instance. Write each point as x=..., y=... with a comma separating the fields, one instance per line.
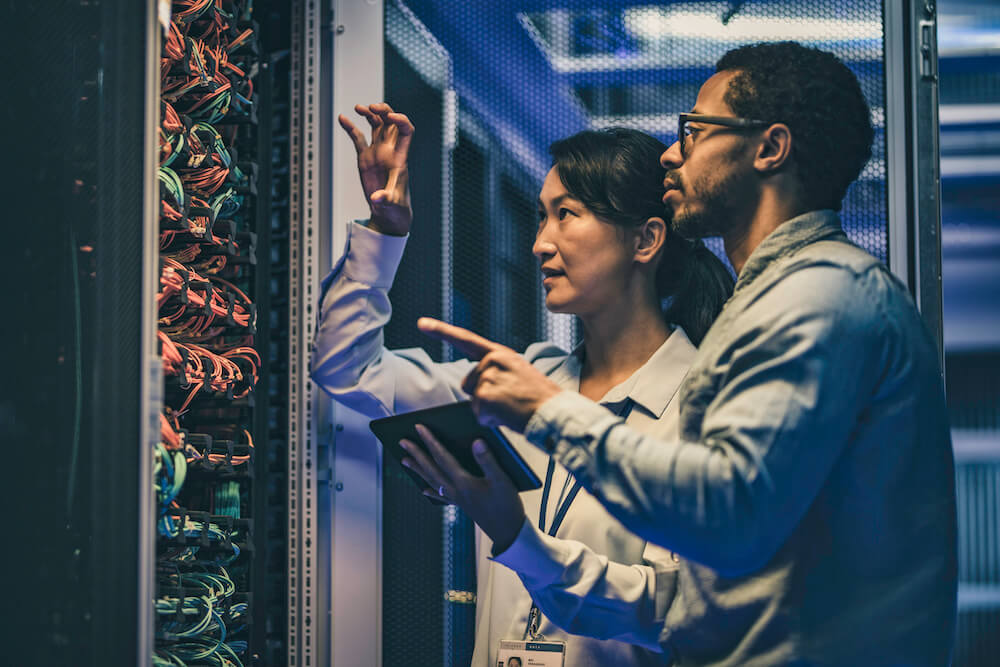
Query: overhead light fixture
x=654, y=23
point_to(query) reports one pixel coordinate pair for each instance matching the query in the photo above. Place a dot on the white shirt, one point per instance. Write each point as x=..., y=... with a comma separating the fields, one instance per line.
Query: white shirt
x=595, y=577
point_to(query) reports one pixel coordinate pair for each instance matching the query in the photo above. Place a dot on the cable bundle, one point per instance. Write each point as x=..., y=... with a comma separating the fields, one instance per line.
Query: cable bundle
x=196, y=620
x=197, y=309
x=227, y=499
x=207, y=323
x=212, y=454
x=197, y=69
x=232, y=373
x=199, y=183
x=172, y=134
x=169, y=473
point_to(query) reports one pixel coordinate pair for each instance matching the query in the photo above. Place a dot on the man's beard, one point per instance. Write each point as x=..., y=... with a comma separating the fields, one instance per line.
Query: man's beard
x=717, y=214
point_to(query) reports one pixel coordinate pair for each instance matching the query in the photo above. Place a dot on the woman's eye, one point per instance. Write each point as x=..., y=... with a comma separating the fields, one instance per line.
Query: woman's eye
x=563, y=212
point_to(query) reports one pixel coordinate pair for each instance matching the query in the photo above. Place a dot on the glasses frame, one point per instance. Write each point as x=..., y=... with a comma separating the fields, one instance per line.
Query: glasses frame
x=733, y=122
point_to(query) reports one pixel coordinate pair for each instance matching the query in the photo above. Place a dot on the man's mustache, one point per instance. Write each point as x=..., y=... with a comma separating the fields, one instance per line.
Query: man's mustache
x=672, y=179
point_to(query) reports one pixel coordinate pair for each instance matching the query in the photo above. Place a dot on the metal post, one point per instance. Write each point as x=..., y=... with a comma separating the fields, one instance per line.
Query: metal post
x=304, y=172
x=151, y=376
x=913, y=156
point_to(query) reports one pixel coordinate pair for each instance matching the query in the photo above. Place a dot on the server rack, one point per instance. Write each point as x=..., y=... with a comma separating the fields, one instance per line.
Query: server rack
x=223, y=455
x=87, y=384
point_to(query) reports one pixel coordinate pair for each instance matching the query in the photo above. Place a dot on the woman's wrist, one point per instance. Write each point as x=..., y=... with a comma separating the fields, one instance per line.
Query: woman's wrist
x=388, y=226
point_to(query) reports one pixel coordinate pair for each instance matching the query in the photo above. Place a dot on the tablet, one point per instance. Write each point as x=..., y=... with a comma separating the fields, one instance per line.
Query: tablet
x=455, y=426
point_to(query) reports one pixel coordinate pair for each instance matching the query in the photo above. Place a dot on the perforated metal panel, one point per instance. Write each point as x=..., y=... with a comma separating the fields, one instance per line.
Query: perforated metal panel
x=525, y=74
x=973, y=385
x=639, y=65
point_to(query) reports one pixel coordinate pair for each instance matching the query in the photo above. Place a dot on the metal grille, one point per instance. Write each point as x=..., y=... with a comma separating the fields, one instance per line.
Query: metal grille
x=978, y=642
x=978, y=490
x=414, y=537
x=974, y=409
x=640, y=66
x=522, y=78
x=973, y=385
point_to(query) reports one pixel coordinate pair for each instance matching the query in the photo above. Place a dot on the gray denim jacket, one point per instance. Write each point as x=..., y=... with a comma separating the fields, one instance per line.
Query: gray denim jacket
x=811, y=493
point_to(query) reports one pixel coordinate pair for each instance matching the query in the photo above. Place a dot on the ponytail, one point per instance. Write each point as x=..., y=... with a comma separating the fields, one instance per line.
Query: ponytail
x=697, y=283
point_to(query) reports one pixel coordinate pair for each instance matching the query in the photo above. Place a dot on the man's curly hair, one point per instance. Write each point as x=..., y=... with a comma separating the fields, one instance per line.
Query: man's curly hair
x=821, y=102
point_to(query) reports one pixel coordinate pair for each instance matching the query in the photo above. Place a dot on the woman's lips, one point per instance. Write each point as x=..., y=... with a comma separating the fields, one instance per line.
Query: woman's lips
x=548, y=277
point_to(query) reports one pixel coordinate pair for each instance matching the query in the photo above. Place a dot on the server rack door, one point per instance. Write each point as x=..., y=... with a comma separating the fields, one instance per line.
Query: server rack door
x=78, y=341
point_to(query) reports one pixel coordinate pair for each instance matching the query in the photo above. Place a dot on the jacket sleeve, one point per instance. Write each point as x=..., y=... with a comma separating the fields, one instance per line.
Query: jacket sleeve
x=791, y=381
x=585, y=593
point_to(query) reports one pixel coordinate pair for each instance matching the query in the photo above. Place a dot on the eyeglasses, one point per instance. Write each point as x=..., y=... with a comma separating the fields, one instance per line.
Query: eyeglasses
x=726, y=121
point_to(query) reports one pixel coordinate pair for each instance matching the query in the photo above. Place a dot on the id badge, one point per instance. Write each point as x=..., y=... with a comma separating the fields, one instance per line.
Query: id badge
x=531, y=654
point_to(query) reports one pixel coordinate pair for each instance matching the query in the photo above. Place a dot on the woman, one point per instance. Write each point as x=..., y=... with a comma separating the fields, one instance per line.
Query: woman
x=607, y=256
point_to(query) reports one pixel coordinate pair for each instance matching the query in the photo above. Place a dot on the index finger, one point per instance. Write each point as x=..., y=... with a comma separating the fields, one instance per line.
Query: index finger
x=357, y=137
x=474, y=345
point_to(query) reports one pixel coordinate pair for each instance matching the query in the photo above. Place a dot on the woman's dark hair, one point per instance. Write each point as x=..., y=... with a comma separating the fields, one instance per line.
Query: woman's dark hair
x=616, y=174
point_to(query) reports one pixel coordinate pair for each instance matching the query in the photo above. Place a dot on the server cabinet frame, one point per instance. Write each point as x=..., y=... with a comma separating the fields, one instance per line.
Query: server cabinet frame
x=303, y=268
x=913, y=169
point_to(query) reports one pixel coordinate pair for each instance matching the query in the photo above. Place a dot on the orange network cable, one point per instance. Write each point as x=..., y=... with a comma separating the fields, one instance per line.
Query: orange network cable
x=251, y=357
x=192, y=454
x=173, y=45
x=199, y=367
x=206, y=304
x=169, y=435
x=186, y=11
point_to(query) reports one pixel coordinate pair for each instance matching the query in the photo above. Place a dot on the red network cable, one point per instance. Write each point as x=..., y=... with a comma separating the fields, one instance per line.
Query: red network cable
x=204, y=306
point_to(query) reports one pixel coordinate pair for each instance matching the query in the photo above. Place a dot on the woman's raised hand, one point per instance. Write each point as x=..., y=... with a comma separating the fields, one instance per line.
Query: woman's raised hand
x=382, y=166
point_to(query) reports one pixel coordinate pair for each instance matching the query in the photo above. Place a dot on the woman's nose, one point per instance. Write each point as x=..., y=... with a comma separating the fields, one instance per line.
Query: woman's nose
x=542, y=247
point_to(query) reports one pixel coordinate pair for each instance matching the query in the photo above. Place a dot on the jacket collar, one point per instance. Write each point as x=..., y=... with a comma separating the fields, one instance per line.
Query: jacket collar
x=788, y=238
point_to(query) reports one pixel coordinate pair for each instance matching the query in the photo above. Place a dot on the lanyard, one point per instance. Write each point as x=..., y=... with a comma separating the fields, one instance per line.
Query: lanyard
x=535, y=616
x=563, y=506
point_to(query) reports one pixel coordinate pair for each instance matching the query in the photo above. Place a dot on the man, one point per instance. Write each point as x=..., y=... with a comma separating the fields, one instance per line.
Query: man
x=811, y=493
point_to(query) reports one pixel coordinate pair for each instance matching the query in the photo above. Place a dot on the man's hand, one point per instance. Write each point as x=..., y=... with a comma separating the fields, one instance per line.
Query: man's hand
x=505, y=389
x=382, y=166
x=491, y=501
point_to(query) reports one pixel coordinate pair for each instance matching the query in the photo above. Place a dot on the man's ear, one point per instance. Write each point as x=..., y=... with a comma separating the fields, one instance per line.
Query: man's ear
x=774, y=150
x=650, y=237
